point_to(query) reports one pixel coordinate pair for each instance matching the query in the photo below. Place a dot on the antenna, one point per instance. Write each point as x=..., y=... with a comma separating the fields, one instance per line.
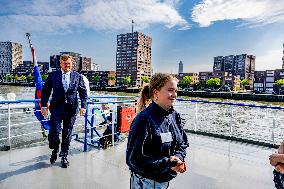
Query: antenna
x=32, y=50
x=133, y=25
x=28, y=35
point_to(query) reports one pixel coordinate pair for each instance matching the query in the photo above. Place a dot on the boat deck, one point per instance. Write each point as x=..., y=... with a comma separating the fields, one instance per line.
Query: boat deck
x=211, y=164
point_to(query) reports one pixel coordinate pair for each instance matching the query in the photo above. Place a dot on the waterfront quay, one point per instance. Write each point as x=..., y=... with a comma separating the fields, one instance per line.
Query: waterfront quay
x=211, y=164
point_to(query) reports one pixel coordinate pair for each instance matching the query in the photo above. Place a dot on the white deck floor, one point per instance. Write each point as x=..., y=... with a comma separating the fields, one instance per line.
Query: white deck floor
x=212, y=164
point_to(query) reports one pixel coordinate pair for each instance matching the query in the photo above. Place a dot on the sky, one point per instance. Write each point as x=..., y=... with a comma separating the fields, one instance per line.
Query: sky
x=191, y=31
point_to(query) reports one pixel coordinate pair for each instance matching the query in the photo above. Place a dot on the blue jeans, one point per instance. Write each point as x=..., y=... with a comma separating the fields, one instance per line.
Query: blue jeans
x=139, y=182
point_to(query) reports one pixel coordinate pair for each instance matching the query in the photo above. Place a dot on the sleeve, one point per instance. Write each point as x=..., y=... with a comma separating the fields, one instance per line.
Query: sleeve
x=180, y=150
x=137, y=157
x=82, y=92
x=46, y=90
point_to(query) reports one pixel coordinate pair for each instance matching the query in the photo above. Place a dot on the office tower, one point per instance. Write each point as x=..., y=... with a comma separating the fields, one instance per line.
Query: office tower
x=180, y=67
x=11, y=55
x=133, y=58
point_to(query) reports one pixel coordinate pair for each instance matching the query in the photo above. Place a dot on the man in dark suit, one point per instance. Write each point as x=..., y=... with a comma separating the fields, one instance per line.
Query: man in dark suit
x=64, y=84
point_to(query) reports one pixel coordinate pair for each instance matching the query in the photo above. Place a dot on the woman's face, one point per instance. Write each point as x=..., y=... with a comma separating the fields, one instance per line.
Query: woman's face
x=166, y=96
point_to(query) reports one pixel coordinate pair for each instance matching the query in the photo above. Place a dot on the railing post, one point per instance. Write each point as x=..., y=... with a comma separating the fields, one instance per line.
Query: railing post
x=86, y=133
x=114, y=107
x=9, y=127
x=231, y=121
x=272, y=133
x=195, y=117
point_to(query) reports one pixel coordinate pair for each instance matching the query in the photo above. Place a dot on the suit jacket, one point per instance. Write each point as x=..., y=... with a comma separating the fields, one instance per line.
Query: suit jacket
x=60, y=98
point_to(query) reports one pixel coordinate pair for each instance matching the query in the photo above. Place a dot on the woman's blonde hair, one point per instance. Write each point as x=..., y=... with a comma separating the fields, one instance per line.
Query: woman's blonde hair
x=157, y=81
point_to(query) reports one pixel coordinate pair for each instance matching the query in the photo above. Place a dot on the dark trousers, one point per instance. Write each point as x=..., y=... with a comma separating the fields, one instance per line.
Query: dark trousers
x=57, y=117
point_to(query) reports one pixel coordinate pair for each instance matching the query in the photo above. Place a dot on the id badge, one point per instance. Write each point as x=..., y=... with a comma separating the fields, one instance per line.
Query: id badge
x=166, y=137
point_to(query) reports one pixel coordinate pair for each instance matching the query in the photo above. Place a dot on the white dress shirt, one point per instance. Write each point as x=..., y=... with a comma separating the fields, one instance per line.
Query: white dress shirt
x=67, y=78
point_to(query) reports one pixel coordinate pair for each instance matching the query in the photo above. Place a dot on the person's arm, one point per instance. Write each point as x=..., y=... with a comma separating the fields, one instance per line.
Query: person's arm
x=83, y=95
x=180, y=150
x=138, y=157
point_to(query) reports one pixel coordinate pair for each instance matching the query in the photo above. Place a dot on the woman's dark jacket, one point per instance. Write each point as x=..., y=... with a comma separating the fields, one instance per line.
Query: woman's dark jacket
x=146, y=155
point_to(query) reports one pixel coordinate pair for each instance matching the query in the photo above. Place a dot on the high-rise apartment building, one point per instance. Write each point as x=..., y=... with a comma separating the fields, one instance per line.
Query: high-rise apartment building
x=11, y=55
x=242, y=65
x=86, y=64
x=133, y=58
x=180, y=67
x=245, y=66
x=229, y=64
x=218, y=64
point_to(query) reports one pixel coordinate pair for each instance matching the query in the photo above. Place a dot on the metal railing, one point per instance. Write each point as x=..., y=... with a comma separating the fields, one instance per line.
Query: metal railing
x=91, y=124
x=11, y=109
x=257, y=124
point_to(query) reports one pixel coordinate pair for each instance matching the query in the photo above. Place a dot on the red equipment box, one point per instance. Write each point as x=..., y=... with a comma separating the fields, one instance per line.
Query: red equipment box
x=125, y=118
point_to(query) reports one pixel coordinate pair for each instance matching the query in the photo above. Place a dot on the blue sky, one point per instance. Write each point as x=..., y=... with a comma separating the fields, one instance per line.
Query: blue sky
x=191, y=31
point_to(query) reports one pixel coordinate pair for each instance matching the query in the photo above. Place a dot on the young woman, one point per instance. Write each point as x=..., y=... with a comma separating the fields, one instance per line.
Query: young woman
x=157, y=142
x=277, y=160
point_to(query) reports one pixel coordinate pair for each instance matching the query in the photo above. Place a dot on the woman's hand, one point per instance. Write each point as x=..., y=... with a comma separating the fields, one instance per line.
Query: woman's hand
x=180, y=167
x=280, y=168
x=276, y=158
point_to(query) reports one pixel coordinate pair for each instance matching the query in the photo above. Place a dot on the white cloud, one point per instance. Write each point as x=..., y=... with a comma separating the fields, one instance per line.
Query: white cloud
x=118, y=14
x=253, y=12
x=54, y=15
x=269, y=61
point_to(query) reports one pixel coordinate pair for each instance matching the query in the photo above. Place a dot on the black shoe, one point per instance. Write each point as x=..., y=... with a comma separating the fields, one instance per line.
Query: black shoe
x=53, y=156
x=64, y=162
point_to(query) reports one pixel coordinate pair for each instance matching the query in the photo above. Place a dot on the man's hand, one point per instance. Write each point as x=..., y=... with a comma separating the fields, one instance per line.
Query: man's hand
x=82, y=111
x=44, y=112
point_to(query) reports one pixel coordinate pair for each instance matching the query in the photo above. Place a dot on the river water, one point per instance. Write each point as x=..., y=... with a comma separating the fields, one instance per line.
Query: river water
x=242, y=122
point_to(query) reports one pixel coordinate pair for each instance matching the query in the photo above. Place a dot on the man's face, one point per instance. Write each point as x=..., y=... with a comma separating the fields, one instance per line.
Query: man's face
x=66, y=65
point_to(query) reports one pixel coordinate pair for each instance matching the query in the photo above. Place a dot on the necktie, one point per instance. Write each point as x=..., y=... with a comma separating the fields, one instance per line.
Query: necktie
x=65, y=86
